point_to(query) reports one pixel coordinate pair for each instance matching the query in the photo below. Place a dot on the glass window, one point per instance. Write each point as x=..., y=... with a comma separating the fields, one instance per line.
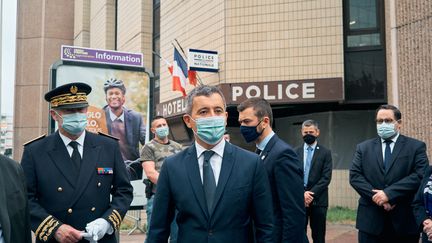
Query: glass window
x=364, y=40
x=365, y=73
x=362, y=14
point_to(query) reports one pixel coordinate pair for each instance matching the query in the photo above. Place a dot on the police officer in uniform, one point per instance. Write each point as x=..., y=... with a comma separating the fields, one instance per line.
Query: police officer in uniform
x=71, y=175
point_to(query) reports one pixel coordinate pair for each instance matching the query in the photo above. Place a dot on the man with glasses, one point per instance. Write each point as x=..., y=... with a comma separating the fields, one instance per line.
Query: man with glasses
x=386, y=171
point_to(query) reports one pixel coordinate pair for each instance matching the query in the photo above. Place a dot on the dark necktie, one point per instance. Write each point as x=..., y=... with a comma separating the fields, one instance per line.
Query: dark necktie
x=76, y=157
x=387, y=153
x=209, y=181
x=307, y=165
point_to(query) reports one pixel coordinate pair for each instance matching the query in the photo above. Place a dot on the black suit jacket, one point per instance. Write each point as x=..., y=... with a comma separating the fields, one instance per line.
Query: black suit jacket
x=285, y=173
x=57, y=195
x=319, y=174
x=14, y=211
x=242, y=197
x=420, y=212
x=400, y=181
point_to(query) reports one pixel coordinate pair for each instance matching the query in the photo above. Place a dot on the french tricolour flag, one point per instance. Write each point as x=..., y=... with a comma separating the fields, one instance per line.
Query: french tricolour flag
x=179, y=73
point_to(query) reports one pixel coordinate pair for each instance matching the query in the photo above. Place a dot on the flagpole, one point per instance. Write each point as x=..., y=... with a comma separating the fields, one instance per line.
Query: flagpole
x=181, y=49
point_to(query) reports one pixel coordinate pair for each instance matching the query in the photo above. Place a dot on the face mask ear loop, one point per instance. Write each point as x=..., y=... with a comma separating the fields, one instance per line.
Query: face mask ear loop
x=58, y=114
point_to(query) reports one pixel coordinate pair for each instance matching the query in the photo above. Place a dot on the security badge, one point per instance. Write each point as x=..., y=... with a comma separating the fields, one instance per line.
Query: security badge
x=105, y=171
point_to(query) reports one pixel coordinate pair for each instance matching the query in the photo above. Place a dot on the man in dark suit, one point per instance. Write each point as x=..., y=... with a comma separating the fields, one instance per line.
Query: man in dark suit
x=317, y=165
x=218, y=189
x=283, y=168
x=386, y=171
x=14, y=211
x=71, y=175
x=125, y=124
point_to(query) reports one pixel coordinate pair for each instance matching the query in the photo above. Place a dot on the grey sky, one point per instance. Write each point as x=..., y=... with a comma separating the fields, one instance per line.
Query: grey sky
x=8, y=55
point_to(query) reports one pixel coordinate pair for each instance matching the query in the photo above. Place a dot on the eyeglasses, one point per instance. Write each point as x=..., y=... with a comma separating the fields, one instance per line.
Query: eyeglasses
x=380, y=121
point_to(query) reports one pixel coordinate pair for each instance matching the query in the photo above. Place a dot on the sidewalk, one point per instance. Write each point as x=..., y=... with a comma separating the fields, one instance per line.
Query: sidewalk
x=336, y=233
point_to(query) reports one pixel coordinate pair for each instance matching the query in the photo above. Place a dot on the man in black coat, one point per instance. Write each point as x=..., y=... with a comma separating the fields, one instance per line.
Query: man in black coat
x=283, y=167
x=14, y=212
x=78, y=186
x=317, y=164
x=386, y=171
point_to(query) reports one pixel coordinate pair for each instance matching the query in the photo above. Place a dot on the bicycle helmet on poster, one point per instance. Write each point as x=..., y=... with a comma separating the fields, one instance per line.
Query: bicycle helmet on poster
x=114, y=83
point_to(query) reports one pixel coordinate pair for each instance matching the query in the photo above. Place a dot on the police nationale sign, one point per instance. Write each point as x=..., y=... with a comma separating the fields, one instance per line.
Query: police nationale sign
x=81, y=54
x=201, y=60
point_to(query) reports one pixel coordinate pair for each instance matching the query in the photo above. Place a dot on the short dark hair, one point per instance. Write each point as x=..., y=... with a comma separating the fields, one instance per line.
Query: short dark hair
x=309, y=123
x=261, y=107
x=396, y=111
x=202, y=90
x=156, y=118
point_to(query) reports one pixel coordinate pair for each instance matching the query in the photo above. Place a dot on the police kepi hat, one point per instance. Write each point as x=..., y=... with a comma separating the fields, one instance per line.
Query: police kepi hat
x=69, y=96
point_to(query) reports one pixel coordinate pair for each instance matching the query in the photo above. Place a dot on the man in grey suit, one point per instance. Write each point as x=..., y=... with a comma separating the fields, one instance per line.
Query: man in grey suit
x=125, y=124
x=317, y=164
x=386, y=172
x=14, y=210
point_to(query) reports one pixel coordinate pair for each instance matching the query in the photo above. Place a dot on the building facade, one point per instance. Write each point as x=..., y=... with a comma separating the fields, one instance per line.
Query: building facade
x=333, y=61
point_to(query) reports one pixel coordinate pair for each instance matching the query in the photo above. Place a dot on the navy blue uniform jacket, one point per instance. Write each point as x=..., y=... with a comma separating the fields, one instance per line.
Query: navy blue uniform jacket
x=242, y=196
x=285, y=173
x=400, y=182
x=56, y=195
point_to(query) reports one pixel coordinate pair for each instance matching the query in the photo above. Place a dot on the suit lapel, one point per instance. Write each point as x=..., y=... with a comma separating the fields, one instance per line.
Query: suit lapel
x=226, y=168
x=314, y=160
x=268, y=148
x=128, y=125
x=88, y=166
x=378, y=152
x=193, y=172
x=61, y=159
x=400, y=143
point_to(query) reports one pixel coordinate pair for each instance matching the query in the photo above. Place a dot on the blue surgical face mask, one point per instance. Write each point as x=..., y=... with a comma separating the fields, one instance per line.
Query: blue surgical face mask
x=210, y=129
x=162, y=132
x=250, y=133
x=74, y=123
x=386, y=130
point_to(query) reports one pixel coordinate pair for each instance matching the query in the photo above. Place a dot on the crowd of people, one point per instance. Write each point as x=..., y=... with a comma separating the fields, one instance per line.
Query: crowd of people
x=73, y=185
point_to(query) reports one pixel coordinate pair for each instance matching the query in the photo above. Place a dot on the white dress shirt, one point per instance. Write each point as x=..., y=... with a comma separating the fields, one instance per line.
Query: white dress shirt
x=215, y=160
x=79, y=140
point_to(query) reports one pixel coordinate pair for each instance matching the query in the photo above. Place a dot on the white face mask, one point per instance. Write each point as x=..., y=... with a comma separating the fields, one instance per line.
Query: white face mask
x=386, y=130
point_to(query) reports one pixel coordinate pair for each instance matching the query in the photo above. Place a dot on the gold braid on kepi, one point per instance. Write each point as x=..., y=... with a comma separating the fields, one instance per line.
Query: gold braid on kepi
x=47, y=228
x=115, y=219
x=69, y=96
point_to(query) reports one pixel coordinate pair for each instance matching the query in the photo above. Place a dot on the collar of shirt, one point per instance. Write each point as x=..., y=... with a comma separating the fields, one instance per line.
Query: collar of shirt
x=394, y=139
x=218, y=149
x=215, y=160
x=261, y=146
x=383, y=144
x=113, y=116
x=79, y=140
x=305, y=146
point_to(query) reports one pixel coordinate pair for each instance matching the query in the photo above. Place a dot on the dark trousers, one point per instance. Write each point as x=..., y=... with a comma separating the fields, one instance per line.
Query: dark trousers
x=388, y=235
x=317, y=216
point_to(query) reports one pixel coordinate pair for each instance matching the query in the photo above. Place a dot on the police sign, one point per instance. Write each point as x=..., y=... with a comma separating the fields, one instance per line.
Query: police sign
x=201, y=60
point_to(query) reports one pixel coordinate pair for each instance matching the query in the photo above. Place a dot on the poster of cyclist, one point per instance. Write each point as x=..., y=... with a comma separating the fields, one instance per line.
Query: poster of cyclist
x=118, y=106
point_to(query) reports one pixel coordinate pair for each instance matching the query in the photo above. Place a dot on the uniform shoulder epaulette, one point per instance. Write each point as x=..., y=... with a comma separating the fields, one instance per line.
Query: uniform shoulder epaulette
x=34, y=139
x=107, y=135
